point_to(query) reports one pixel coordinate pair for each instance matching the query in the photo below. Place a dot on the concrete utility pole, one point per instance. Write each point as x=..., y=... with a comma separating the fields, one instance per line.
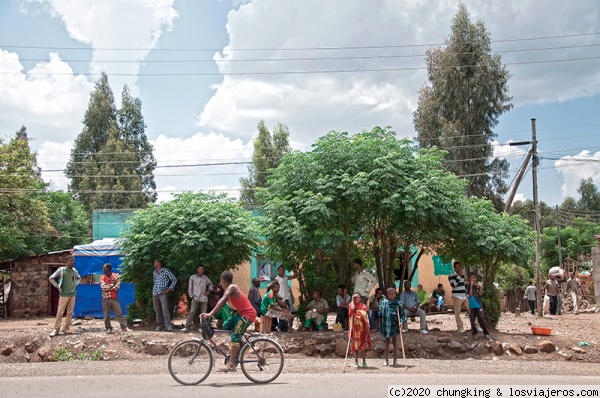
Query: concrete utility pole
x=596, y=268
x=536, y=207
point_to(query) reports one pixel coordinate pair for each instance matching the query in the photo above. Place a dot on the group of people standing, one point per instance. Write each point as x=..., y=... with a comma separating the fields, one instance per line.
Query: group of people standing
x=552, y=291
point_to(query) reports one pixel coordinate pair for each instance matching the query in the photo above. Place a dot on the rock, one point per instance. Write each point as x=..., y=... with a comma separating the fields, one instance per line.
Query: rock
x=444, y=339
x=323, y=338
x=309, y=349
x=434, y=330
x=77, y=322
x=78, y=346
x=431, y=347
x=530, y=350
x=497, y=348
x=455, y=346
x=481, y=349
x=340, y=347
x=44, y=354
x=411, y=347
x=7, y=350
x=578, y=350
x=379, y=347
x=547, y=346
x=156, y=348
x=515, y=349
x=31, y=346
x=324, y=349
x=293, y=348
x=566, y=355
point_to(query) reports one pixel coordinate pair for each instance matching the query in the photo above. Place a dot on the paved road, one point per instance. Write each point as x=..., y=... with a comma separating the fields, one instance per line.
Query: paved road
x=289, y=385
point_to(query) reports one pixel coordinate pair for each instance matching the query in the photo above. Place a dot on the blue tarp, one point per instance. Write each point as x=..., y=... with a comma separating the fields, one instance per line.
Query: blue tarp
x=89, y=259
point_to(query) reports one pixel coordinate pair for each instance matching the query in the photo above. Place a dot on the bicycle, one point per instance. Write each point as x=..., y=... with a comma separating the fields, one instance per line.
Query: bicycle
x=261, y=359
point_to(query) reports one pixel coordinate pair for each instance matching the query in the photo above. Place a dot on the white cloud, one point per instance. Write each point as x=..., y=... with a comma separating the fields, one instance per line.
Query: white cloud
x=575, y=168
x=312, y=104
x=54, y=156
x=507, y=151
x=519, y=197
x=48, y=98
x=110, y=26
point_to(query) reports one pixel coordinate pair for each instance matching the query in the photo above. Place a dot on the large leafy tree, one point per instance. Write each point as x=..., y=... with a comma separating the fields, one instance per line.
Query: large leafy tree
x=69, y=221
x=112, y=140
x=370, y=192
x=458, y=108
x=24, y=220
x=268, y=151
x=190, y=229
x=590, y=197
x=525, y=209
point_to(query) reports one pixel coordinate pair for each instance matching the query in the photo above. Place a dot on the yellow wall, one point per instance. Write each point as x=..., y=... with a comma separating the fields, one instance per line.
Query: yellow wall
x=241, y=277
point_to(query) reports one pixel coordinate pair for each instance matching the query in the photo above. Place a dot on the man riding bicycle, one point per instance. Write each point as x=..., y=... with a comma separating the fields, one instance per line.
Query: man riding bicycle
x=237, y=324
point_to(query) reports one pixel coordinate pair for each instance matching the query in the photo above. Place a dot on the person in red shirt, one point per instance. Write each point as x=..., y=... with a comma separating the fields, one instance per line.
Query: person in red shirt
x=110, y=284
x=245, y=316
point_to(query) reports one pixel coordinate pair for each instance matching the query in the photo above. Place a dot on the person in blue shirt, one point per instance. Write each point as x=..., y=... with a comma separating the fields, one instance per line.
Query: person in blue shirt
x=164, y=282
x=411, y=304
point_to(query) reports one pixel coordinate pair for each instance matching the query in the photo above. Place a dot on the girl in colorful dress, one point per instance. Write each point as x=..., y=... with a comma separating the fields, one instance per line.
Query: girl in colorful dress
x=360, y=335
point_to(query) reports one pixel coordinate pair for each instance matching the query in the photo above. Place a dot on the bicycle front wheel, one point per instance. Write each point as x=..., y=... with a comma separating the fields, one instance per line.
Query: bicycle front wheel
x=261, y=360
x=190, y=362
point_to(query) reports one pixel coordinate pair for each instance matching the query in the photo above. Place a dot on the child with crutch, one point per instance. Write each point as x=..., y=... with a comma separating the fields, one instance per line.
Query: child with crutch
x=389, y=309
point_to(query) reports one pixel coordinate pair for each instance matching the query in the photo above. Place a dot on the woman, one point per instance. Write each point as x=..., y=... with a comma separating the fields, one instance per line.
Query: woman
x=360, y=335
x=273, y=306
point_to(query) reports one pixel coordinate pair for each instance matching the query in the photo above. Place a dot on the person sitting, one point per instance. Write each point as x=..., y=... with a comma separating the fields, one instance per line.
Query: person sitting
x=374, y=303
x=274, y=307
x=437, y=298
x=316, y=312
x=411, y=303
x=225, y=312
x=423, y=297
x=342, y=300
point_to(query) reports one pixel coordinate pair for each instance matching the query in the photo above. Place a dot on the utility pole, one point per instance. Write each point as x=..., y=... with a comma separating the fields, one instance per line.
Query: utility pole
x=536, y=207
x=560, y=263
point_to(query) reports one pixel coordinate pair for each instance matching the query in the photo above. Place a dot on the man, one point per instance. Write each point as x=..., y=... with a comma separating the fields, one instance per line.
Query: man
x=164, y=282
x=198, y=288
x=552, y=293
x=437, y=298
x=285, y=290
x=423, y=296
x=254, y=296
x=65, y=279
x=529, y=295
x=273, y=306
x=573, y=288
x=374, y=303
x=110, y=283
x=342, y=300
x=411, y=304
x=238, y=323
x=459, y=294
x=316, y=312
x=363, y=281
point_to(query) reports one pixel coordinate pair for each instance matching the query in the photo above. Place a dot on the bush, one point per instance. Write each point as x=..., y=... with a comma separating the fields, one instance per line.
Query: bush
x=62, y=354
x=491, y=305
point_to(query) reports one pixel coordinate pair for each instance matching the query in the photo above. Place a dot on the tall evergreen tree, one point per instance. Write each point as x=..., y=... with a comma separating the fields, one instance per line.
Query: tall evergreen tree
x=268, y=151
x=112, y=153
x=466, y=94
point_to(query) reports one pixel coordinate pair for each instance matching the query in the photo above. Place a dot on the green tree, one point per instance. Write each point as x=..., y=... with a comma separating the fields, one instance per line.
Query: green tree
x=526, y=211
x=24, y=220
x=68, y=219
x=459, y=107
x=590, y=197
x=487, y=239
x=577, y=239
x=190, y=229
x=268, y=151
x=96, y=152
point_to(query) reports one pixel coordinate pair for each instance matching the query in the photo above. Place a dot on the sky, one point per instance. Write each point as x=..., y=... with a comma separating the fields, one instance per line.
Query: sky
x=207, y=71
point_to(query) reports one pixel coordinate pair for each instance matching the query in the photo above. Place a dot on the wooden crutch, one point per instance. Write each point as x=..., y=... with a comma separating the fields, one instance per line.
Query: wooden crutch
x=401, y=338
x=348, y=346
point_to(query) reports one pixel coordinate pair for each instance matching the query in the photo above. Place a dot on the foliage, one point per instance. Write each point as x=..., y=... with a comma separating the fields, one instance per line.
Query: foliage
x=511, y=276
x=268, y=151
x=590, y=197
x=24, y=219
x=368, y=192
x=62, y=354
x=112, y=153
x=491, y=305
x=526, y=211
x=192, y=228
x=488, y=238
x=457, y=110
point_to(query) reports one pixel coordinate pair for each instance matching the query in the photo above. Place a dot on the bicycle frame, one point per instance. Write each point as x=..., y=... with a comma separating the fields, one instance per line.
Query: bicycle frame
x=247, y=340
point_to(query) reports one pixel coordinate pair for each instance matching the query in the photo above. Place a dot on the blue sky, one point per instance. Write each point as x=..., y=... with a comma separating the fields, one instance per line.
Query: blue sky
x=208, y=71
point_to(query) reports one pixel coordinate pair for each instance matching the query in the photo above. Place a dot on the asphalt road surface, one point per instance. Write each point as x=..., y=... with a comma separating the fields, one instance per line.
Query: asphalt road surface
x=288, y=385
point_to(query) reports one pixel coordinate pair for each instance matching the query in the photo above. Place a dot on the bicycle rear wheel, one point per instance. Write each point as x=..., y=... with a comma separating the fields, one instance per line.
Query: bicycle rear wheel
x=190, y=362
x=261, y=360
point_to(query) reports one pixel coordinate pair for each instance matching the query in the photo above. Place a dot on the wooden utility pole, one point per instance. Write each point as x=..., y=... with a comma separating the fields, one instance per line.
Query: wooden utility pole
x=560, y=263
x=536, y=207
x=518, y=181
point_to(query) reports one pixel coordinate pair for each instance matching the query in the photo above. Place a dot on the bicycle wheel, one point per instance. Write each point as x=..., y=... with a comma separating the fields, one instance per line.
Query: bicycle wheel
x=190, y=362
x=261, y=360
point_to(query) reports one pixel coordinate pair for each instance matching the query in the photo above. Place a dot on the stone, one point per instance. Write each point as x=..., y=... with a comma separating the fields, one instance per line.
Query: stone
x=7, y=350
x=481, y=349
x=566, y=355
x=546, y=346
x=309, y=349
x=322, y=338
x=432, y=347
x=31, y=346
x=578, y=350
x=340, y=347
x=77, y=322
x=44, y=354
x=156, y=348
x=78, y=346
x=515, y=349
x=379, y=347
x=497, y=348
x=410, y=347
x=293, y=348
x=456, y=346
x=530, y=350
x=324, y=349
x=444, y=339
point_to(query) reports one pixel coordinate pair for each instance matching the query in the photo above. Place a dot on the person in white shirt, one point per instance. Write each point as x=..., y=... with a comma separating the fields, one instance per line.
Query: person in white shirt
x=573, y=287
x=285, y=291
x=342, y=300
x=363, y=281
x=530, y=297
x=198, y=288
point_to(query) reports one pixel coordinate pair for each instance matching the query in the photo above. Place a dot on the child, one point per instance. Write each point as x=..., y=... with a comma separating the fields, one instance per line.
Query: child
x=359, y=329
x=388, y=313
x=476, y=306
